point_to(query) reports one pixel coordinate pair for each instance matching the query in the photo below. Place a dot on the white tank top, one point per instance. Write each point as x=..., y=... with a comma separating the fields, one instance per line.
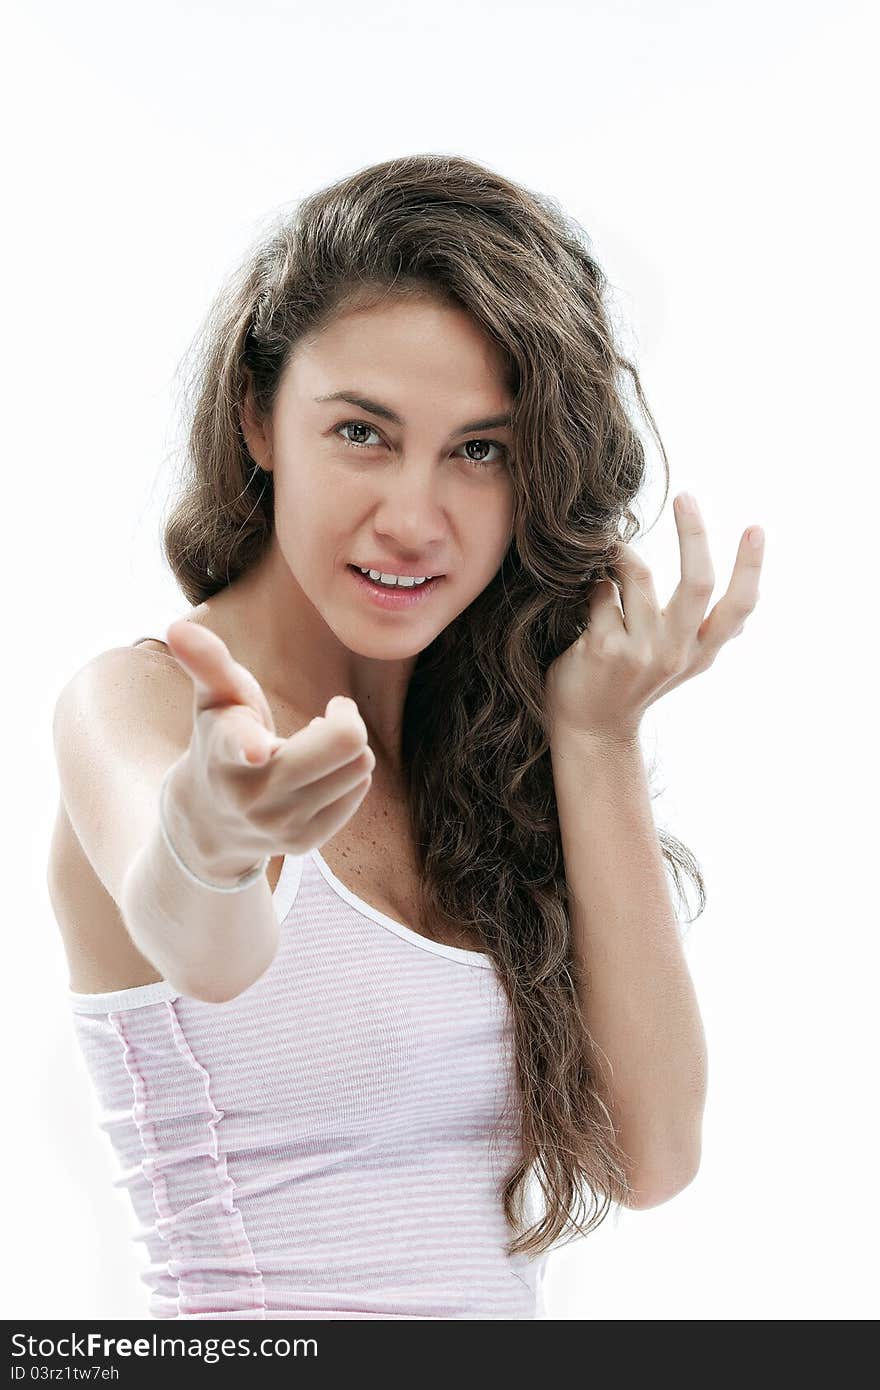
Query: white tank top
x=333, y=1142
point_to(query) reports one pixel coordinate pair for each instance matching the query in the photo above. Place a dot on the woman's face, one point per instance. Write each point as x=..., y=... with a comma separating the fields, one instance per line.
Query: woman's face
x=427, y=493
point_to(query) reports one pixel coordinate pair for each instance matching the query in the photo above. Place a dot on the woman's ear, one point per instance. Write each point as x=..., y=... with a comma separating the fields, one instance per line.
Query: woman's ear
x=256, y=434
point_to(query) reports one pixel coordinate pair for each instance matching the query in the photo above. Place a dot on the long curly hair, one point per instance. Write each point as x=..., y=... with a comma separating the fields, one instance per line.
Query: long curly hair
x=477, y=763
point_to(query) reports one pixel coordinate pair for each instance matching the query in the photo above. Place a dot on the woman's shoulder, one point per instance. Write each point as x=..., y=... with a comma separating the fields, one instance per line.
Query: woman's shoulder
x=154, y=644
x=152, y=640
x=122, y=711
x=220, y=616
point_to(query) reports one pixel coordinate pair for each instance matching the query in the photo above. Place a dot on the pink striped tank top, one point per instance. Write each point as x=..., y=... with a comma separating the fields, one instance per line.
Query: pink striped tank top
x=332, y=1142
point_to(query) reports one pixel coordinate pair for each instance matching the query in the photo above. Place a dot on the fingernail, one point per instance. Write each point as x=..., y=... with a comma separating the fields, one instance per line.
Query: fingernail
x=687, y=502
x=756, y=535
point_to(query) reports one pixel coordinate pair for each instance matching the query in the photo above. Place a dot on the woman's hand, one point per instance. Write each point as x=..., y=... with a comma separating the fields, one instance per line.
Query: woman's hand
x=240, y=792
x=627, y=657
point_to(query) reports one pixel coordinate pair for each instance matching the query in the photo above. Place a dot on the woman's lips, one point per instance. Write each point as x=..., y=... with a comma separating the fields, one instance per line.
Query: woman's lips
x=392, y=596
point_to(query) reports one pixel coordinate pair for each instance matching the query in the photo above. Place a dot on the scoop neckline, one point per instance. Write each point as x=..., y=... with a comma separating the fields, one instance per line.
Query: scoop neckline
x=283, y=898
x=481, y=959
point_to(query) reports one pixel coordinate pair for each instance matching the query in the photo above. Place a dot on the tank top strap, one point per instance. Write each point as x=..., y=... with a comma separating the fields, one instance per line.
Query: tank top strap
x=157, y=633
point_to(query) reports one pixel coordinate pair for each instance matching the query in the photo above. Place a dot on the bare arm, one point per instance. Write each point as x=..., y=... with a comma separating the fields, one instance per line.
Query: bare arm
x=120, y=724
x=640, y=1004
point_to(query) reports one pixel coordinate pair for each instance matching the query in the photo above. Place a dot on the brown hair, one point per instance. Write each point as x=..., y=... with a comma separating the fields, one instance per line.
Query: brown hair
x=482, y=804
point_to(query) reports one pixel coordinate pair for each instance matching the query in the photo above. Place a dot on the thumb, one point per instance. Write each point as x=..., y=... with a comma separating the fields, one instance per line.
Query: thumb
x=219, y=680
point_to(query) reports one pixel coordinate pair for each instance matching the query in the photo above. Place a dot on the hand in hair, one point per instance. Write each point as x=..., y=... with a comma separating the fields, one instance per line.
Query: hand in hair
x=631, y=651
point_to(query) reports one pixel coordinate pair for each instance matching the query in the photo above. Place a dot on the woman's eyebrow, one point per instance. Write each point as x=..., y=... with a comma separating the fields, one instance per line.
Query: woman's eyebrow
x=492, y=422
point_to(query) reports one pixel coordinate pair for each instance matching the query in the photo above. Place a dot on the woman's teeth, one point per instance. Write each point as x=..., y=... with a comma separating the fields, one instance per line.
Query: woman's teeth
x=405, y=581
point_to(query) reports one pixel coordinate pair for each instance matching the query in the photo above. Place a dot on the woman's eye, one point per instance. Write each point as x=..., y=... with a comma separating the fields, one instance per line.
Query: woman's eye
x=355, y=425
x=486, y=444
x=365, y=444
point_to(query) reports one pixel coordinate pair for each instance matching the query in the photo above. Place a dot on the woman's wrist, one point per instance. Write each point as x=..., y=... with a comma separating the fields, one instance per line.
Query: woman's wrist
x=188, y=839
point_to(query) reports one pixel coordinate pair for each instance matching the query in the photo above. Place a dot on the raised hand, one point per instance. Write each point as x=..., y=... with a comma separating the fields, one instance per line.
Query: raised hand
x=631, y=651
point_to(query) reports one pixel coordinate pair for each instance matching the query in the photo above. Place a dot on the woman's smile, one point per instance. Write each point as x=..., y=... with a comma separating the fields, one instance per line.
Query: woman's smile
x=393, y=597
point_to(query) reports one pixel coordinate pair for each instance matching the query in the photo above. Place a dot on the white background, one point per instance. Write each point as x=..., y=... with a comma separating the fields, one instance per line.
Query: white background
x=719, y=157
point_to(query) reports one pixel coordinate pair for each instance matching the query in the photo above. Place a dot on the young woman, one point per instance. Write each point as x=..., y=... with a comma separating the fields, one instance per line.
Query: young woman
x=369, y=933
